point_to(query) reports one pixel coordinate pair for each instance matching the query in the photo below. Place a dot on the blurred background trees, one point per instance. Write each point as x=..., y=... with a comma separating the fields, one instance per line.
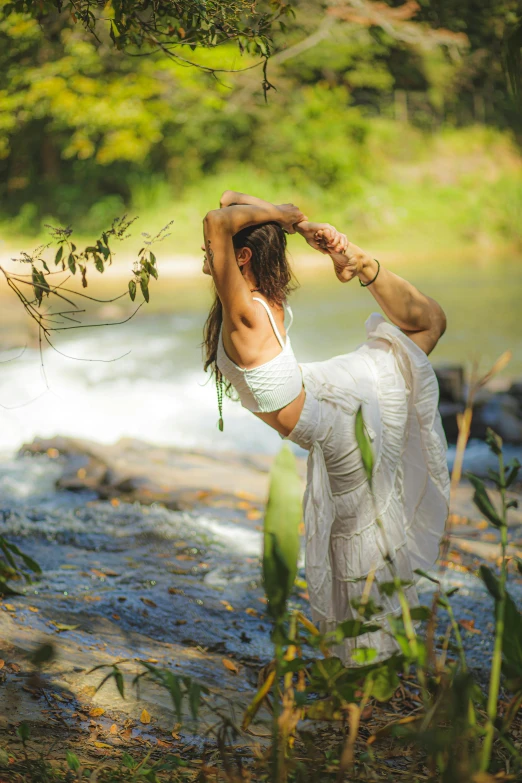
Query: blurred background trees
x=88, y=130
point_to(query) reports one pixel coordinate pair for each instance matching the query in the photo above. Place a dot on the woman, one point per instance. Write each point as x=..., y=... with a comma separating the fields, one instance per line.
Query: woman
x=315, y=406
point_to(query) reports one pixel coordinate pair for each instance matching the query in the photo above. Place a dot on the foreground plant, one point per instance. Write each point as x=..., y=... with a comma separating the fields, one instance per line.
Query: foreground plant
x=15, y=565
x=512, y=633
x=52, y=266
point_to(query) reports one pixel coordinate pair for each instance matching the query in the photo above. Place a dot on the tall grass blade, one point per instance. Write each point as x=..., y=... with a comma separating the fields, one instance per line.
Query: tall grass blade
x=281, y=532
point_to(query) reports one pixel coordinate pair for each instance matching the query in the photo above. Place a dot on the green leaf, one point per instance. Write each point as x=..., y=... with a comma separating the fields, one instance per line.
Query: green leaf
x=144, y=288
x=491, y=582
x=5, y=589
x=98, y=263
x=397, y=628
x=7, y=549
x=390, y=588
x=494, y=475
x=512, y=637
x=28, y=561
x=58, y=256
x=128, y=761
x=420, y=613
x=364, y=445
x=23, y=731
x=4, y=758
x=364, y=655
x=384, y=682
x=494, y=441
x=483, y=502
x=281, y=532
x=71, y=262
x=174, y=688
x=350, y=629
x=194, y=699
x=425, y=574
x=513, y=469
x=132, y=289
x=43, y=654
x=38, y=293
x=366, y=608
x=73, y=761
x=118, y=679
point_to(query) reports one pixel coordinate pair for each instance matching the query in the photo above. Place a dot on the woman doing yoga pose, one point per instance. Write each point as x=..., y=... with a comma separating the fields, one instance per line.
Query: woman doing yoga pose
x=315, y=405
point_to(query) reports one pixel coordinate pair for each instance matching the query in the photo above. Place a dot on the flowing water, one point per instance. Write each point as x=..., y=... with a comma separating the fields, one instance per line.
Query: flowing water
x=159, y=392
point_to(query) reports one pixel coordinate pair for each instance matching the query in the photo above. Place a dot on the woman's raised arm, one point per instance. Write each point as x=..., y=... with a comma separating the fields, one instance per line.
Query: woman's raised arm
x=219, y=226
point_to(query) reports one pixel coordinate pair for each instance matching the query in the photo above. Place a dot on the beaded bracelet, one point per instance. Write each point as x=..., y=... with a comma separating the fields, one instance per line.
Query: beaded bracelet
x=365, y=285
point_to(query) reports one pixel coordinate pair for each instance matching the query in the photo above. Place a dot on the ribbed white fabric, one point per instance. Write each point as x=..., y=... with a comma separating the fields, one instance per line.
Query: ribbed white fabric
x=393, y=380
x=272, y=385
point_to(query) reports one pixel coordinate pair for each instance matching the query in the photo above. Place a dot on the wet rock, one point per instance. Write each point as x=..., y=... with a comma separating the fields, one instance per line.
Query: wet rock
x=515, y=390
x=495, y=406
x=133, y=470
x=503, y=414
x=451, y=382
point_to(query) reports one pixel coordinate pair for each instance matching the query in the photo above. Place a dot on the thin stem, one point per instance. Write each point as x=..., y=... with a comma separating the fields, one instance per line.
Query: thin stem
x=496, y=665
x=277, y=770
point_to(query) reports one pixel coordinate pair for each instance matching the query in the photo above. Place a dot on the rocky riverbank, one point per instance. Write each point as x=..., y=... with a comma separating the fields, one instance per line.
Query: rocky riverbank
x=152, y=553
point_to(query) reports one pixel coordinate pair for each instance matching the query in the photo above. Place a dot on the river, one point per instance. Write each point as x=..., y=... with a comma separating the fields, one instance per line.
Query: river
x=159, y=392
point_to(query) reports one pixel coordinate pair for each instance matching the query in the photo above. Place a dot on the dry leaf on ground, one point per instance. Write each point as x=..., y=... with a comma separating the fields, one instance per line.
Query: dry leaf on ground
x=230, y=665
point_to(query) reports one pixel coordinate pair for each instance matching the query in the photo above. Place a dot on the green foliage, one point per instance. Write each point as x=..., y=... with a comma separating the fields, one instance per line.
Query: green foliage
x=365, y=448
x=43, y=654
x=85, y=129
x=281, y=532
x=71, y=260
x=23, y=731
x=384, y=681
x=176, y=22
x=483, y=502
x=512, y=637
x=179, y=688
x=15, y=565
x=72, y=761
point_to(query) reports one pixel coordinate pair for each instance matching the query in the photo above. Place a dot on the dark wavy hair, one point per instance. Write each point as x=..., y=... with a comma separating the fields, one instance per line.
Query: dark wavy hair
x=273, y=276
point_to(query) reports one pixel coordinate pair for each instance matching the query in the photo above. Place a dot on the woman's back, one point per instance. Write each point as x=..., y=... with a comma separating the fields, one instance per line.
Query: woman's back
x=270, y=385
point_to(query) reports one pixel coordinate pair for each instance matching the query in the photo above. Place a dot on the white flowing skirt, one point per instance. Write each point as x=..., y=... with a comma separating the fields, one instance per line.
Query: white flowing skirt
x=392, y=378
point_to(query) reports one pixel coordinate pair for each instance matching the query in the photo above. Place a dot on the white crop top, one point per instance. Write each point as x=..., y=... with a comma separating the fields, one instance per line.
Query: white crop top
x=272, y=385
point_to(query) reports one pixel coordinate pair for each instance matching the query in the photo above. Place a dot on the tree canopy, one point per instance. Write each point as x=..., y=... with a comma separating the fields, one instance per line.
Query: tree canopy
x=83, y=123
x=162, y=25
